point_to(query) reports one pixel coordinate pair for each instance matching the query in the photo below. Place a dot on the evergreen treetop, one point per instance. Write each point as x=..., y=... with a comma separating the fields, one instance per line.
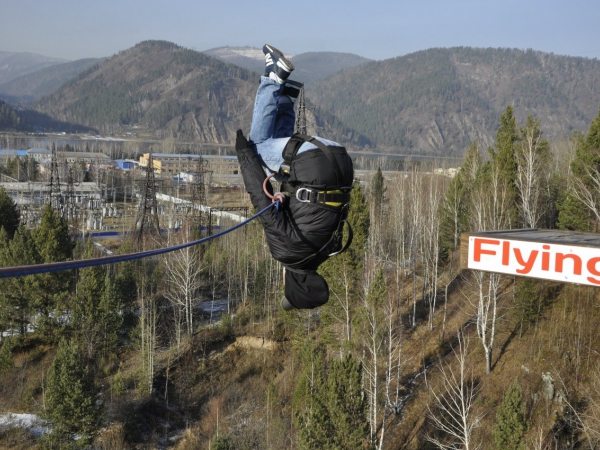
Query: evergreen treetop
x=9, y=214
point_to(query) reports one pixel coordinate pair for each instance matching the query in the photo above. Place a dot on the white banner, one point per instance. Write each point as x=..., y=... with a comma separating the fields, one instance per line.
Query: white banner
x=567, y=263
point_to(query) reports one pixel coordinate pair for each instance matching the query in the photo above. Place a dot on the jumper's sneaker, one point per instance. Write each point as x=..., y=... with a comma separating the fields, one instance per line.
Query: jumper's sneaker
x=277, y=66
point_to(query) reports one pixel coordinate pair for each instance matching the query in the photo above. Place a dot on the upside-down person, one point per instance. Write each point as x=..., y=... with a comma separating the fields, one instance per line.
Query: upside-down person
x=316, y=176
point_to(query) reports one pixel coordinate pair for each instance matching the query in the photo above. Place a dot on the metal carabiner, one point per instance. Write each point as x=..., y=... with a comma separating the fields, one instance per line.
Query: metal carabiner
x=304, y=199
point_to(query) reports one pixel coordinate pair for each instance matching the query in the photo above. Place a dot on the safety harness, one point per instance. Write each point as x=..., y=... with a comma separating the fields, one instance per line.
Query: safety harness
x=336, y=196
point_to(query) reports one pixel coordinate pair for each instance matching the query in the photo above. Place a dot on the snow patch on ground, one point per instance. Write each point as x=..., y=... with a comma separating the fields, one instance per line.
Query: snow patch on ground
x=254, y=53
x=30, y=422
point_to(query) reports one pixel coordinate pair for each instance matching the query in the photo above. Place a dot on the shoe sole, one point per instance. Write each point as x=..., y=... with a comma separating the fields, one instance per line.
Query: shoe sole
x=286, y=63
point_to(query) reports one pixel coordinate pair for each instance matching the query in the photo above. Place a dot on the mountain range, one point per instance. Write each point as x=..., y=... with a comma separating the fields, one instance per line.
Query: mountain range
x=439, y=101
x=15, y=65
x=432, y=102
x=25, y=90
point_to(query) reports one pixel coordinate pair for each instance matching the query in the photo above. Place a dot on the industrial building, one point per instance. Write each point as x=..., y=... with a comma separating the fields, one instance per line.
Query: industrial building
x=38, y=192
x=173, y=164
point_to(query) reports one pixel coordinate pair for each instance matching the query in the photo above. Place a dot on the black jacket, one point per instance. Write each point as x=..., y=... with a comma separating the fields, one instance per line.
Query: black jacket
x=299, y=230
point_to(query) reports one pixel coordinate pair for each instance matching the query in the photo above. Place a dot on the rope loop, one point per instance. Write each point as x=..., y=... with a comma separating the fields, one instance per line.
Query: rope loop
x=278, y=196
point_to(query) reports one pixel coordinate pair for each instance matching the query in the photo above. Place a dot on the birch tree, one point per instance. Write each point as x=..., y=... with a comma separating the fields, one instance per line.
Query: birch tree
x=452, y=412
x=183, y=273
x=147, y=324
x=373, y=328
x=431, y=241
x=414, y=234
x=489, y=209
x=490, y=212
x=532, y=155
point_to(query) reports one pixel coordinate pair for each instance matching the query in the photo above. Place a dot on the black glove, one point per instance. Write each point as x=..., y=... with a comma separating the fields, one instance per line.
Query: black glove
x=241, y=142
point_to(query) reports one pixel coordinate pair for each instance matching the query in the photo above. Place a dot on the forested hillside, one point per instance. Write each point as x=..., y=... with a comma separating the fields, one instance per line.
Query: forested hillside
x=438, y=101
x=164, y=87
x=14, y=65
x=26, y=89
x=410, y=352
x=10, y=119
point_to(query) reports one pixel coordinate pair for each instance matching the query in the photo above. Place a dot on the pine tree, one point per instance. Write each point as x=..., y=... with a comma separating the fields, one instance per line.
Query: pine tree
x=585, y=179
x=9, y=214
x=222, y=443
x=331, y=410
x=358, y=217
x=70, y=400
x=377, y=194
x=96, y=310
x=587, y=152
x=6, y=358
x=347, y=405
x=54, y=244
x=125, y=287
x=311, y=415
x=503, y=157
x=17, y=294
x=344, y=272
x=573, y=214
x=111, y=315
x=506, y=138
x=454, y=208
x=511, y=425
x=528, y=299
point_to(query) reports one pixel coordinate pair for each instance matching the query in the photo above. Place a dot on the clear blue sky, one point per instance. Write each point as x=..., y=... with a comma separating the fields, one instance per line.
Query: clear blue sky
x=376, y=29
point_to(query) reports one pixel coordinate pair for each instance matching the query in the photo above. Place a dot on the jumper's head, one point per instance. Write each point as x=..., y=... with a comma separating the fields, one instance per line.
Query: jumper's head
x=304, y=290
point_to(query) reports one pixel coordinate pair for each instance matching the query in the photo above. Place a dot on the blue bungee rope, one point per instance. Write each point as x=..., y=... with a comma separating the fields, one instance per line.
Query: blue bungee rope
x=8, y=272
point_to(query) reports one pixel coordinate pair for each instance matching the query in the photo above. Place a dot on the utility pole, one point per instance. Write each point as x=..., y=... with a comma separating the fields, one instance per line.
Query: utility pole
x=69, y=208
x=147, y=216
x=56, y=199
x=198, y=194
x=300, y=125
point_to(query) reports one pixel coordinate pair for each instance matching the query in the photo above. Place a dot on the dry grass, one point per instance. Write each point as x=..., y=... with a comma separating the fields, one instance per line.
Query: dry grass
x=563, y=342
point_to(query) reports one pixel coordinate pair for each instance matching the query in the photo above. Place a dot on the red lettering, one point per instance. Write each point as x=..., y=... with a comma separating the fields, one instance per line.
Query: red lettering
x=527, y=265
x=478, y=251
x=591, y=267
x=505, y=253
x=546, y=258
x=577, y=263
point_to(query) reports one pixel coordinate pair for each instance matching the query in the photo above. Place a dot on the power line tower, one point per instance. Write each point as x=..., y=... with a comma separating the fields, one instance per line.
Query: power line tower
x=300, y=125
x=69, y=208
x=56, y=199
x=198, y=192
x=146, y=222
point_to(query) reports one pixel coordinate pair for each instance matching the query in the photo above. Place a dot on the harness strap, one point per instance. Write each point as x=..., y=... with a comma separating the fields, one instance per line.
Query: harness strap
x=348, y=241
x=336, y=239
x=292, y=147
x=336, y=198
